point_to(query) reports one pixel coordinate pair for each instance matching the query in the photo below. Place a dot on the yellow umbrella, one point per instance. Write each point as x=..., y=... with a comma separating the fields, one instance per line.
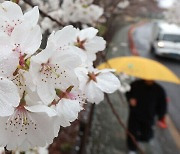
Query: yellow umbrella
x=142, y=68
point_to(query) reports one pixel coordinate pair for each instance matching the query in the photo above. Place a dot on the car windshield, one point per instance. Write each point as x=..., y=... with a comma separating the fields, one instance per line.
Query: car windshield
x=171, y=37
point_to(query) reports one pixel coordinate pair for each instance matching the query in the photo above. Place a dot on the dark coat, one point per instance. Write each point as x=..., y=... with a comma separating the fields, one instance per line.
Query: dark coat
x=151, y=101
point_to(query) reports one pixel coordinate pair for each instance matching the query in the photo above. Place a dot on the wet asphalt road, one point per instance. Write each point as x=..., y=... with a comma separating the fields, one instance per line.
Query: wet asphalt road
x=142, y=37
x=107, y=136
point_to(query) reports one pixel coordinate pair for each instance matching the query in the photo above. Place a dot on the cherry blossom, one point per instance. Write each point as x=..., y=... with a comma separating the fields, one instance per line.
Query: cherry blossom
x=43, y=89
x=52, y=70
x=24, y=41
x=80, y=11
x=52, y=8
x=172, y=13
x=87, y=41
x=90, y=14
x=94, y=82
x=63, y=39
x=16, y=49
x=27, y=127
x=123, y=4
x=84, y=42
x=24, y=126
x=67, y=11
x=49, y=5
x=11, y=15
x=68, y=104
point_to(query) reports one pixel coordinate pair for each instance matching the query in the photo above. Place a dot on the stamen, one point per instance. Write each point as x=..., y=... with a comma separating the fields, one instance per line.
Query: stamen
x=20, y=122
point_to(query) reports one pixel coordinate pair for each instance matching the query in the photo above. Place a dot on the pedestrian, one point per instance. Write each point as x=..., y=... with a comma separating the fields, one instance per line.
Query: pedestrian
x=146, y=100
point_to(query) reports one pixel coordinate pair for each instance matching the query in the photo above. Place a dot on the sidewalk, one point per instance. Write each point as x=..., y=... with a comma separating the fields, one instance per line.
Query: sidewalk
x=107, y=136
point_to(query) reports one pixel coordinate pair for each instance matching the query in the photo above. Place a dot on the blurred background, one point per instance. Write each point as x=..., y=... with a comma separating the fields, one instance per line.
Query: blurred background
x=145, y=28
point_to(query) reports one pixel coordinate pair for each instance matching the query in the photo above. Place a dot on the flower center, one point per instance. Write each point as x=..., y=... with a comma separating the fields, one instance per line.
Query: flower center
x=49, y=71
x=22, y=61
x=92, y=76
x=19, y=80
x=80, y=43
x=20, y=122
x=8, y=27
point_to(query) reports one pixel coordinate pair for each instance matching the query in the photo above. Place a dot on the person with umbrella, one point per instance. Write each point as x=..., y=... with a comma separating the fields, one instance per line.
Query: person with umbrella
x=146, y=100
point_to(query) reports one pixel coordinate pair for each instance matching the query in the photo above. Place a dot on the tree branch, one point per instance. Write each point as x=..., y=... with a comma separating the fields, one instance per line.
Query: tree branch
x=6, y=151
x=122, y=124
x=43, y=13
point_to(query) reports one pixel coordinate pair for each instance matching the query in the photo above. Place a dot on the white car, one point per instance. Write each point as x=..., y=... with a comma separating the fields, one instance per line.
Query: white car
x=166, y=40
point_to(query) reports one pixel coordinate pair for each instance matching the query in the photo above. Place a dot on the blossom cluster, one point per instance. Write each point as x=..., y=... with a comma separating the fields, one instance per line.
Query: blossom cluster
x=171, y=15
x=123, y=4
x=81, y=11
x=69, y=11
x=43, y=89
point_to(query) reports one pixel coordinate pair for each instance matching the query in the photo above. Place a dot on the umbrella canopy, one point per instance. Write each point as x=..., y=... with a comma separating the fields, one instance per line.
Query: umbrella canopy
x=142, y=68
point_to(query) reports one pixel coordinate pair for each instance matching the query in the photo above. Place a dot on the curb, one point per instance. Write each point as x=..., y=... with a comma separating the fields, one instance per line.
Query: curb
x=173, y=130
x=131, y=30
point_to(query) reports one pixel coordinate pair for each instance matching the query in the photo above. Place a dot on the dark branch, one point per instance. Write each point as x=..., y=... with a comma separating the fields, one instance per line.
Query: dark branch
x=122, y=124
x=44, y=13
x=6, y=151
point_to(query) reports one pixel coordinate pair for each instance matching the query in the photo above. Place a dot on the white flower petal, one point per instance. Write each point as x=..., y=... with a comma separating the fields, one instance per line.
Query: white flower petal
x=10, y=10
x=32, y=98
x=87, y=33
x=63, y=122
x=9, y=97
x=4, y=137
x=68, y=111
x=5, y=41
x=42, y=108
x=32, y=16
x=46, y=92
x=93, y=93
x=9, y=62
x=29, y=38
x=81, y=54
x=45, y=54
x=29, y=81
x=66, y=79
x=95, y=44
x=107, y=82
x=35, y=73
x=81, y=73
x=65, y=35
x=69, y=60
x=91, y=56
x=28, y=129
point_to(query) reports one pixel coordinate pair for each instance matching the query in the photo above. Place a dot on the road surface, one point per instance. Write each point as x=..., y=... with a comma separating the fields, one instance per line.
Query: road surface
x=107, y=136
x=142, y=37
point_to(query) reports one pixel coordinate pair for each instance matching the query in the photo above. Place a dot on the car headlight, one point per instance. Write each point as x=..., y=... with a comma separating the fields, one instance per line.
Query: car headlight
x=160, y=44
